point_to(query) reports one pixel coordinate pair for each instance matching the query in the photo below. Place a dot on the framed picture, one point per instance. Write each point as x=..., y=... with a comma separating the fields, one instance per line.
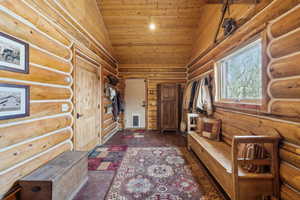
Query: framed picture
x=14, y=101
x=14, y=54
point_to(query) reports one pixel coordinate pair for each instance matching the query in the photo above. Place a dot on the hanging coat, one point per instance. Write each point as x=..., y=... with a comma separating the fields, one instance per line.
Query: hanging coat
x=120, y=102
x=112, y=93
x=204, y=99
x=187, y=96
x=185, y=106
x=193, y=93
x=117, y=104
x=115, y=109
x=194, y=108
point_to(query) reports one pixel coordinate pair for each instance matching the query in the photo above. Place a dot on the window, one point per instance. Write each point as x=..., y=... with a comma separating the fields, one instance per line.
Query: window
x=239, y=75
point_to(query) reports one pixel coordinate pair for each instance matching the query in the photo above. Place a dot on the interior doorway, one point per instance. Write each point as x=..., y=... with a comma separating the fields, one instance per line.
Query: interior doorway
x=135, y=104
x=87, y=87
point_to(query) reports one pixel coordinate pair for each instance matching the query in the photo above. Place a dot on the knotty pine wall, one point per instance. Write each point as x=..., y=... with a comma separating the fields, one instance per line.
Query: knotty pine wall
x=154, y=74
x=281, y=20
x=51, y=28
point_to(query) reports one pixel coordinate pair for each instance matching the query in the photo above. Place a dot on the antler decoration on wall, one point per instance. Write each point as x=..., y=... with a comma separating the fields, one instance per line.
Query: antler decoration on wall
x=226, y=6
x=229, y=24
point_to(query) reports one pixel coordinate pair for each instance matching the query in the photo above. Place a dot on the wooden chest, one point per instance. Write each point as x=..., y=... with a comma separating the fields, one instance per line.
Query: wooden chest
x=59, y=179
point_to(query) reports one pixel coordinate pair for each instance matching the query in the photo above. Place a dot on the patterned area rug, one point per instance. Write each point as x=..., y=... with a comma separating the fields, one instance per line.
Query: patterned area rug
x=140, y=131
x=133, y=135
x=106, y=158
x=159, y=174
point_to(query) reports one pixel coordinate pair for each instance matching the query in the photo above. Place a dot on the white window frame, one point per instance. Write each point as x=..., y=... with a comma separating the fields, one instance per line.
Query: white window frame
x=219, y=73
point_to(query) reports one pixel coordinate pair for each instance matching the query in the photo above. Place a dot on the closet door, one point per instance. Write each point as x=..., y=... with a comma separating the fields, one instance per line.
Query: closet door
x=168, y=108
x=87, y=104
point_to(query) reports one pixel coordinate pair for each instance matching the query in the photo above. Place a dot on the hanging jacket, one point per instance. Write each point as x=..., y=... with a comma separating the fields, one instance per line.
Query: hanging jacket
x=112, y=93
x=115, y=109
x=187, y=96
x=204, y=99
x=117, y=105
x=194, y=108
x=120, y=102
x=193, y=93
x=185, y=106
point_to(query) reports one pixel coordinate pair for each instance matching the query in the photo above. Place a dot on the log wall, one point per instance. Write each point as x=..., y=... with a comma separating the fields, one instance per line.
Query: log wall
x=109, y=125
x=210, y=18
x=281, y=19
x=52, y=29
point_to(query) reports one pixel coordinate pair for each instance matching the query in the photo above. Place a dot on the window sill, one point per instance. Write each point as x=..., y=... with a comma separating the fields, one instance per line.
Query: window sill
x=239, y=105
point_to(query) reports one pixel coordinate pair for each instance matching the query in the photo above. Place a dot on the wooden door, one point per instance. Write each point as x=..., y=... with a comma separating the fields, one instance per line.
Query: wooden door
x=169, y=96
x=87, y=104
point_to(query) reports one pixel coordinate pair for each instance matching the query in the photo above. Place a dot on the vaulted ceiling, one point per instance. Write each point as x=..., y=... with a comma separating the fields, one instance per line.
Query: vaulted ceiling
x=171, y=42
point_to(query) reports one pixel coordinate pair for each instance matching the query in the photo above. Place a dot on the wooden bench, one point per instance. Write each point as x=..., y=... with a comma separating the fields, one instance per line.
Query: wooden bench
x=59, y=179
x=223, y=163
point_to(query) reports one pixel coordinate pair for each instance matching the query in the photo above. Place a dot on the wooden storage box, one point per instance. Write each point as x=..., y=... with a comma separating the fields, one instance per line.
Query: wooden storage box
x=59, y=179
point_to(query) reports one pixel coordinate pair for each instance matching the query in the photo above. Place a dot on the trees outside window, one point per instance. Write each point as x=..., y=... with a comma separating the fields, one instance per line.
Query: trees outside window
x=240, y=74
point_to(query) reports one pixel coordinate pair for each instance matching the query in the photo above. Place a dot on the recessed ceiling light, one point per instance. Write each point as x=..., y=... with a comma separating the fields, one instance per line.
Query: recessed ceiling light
x=152, y=26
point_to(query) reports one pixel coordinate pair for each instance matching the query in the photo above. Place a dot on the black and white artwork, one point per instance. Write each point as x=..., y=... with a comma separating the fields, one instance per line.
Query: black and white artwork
x=13, y=54
x=14, y=101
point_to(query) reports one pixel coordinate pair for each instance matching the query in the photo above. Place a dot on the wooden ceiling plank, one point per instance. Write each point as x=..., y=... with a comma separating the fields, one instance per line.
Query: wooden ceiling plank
x=128, y=22
x=233, y=1
x=172, y=65
x=152, y=70
x=152, y=12
x=153, y=4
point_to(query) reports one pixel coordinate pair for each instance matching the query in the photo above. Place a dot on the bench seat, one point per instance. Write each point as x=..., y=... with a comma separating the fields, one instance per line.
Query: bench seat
x=219, y=150
x=216, y=156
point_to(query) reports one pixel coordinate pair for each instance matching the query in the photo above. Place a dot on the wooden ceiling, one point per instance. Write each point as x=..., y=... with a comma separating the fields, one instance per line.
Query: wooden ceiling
x=128, y=22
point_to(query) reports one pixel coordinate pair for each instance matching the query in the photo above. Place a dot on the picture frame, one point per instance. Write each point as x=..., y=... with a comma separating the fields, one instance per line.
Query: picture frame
x=14, y=101
x=14, y=54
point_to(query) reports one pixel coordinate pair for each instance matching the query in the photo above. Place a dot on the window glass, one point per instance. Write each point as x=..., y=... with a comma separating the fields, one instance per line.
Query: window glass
x=241, y=74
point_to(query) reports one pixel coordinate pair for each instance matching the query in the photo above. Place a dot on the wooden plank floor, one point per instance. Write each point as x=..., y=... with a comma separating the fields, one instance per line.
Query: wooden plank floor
x=150, y=139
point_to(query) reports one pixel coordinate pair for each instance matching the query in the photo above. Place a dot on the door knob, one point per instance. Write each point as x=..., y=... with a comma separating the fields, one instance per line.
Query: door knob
x=79, y=115
x=144, y=104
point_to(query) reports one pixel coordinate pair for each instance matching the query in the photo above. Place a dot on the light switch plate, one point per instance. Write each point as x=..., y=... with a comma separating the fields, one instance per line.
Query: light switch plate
x=64, y=107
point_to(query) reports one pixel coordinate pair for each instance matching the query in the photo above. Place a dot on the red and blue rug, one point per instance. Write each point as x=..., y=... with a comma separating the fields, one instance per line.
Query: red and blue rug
x=106, y=158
